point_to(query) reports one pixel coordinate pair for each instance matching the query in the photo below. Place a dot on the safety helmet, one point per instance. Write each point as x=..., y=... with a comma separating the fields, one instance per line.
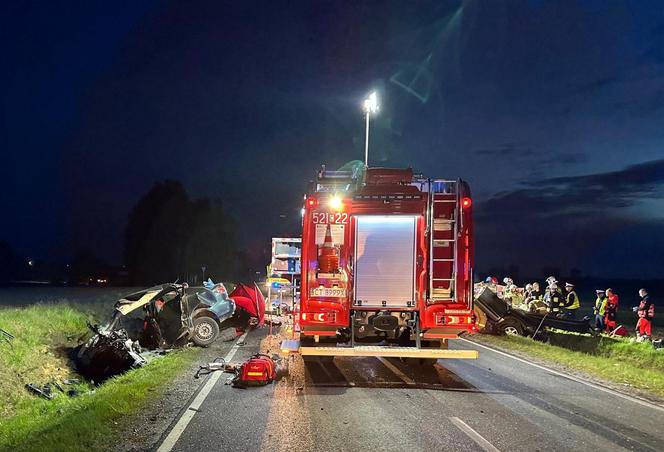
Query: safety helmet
x=551, y=280
x=529, y=286
x=508, y=281
x=512, y=287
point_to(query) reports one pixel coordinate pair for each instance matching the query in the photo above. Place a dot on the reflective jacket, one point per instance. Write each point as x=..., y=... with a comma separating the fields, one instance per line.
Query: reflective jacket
x=553, y=301
x=572, y=301
x=600, y=306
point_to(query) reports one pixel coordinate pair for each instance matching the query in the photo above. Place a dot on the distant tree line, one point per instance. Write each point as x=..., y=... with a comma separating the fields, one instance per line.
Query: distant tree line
x=170, y=237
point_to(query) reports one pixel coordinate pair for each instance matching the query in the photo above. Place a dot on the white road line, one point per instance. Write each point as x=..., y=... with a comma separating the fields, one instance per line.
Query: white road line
x=472, y=434
x=572, y=377
x=395, y=370
x=188, y=415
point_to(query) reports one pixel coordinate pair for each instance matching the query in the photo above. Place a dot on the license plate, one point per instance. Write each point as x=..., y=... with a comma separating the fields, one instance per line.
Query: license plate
x=327, y=292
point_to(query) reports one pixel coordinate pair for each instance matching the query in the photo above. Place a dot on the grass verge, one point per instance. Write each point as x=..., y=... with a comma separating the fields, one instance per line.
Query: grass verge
x=38, y=354
x=619, y=361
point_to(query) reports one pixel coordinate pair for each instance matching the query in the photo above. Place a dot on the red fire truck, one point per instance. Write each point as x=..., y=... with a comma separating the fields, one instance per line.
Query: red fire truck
x=387, y=260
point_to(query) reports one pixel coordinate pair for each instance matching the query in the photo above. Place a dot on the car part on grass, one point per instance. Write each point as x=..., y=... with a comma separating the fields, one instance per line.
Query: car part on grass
x=7, y=337
x=41, y=391
x=46, y=391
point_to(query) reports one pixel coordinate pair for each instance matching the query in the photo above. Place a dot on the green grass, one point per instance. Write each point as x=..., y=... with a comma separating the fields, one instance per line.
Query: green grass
x=619, y=361
x=43, y=335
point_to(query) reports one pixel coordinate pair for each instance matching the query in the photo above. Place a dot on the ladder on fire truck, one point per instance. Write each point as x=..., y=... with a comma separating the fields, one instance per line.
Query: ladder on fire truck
x=443, y=229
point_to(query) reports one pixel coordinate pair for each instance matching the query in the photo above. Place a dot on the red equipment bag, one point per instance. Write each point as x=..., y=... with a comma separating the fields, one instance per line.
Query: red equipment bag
x=259, y=370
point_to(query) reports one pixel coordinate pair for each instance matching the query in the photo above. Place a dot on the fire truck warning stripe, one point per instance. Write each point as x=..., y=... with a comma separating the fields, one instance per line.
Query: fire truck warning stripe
x=187, y=416
x=472, y=434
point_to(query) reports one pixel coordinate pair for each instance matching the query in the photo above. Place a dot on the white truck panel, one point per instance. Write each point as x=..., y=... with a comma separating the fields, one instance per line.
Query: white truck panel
x=384, y=270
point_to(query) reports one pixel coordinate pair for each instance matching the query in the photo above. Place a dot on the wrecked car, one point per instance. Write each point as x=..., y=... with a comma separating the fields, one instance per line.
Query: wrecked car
x=495, y=315
x=166, y=316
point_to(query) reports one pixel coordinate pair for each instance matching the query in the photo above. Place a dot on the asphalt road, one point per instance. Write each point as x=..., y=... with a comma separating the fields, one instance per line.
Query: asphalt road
x=493, y=403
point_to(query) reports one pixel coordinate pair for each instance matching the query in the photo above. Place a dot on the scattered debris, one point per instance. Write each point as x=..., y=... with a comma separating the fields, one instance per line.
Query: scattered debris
x=43, y=391
x=7, y=337
x=46, y=391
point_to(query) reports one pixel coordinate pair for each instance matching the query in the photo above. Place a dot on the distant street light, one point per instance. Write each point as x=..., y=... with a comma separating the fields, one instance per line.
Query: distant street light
x=370, y=106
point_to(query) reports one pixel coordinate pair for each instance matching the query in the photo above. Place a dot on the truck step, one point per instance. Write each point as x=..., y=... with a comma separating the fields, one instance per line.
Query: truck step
x=375, y=350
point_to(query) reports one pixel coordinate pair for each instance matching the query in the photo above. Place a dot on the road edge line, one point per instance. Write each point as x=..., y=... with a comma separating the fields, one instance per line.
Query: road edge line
x=609, y=390
x=180, y=426
x=472, y=434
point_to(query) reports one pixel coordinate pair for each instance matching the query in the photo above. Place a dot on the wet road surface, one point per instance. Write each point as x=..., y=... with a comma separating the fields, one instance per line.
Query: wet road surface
x=493, y=403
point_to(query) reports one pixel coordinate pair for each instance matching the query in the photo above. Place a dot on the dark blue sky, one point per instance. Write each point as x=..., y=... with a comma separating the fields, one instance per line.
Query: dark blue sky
x=553, y=110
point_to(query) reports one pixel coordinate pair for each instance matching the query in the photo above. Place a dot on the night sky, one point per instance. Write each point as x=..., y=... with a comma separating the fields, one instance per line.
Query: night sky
x=552, y=110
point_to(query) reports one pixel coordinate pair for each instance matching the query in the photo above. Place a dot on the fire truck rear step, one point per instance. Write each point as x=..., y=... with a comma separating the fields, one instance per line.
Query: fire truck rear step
x=293, y=346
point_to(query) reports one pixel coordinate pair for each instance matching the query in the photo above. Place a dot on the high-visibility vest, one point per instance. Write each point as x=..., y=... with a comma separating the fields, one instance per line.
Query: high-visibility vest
x=600, y=306
x=573, y=300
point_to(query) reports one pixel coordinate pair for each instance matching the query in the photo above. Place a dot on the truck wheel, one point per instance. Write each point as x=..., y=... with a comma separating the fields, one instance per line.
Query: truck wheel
x=511, y=327
x=206, y=331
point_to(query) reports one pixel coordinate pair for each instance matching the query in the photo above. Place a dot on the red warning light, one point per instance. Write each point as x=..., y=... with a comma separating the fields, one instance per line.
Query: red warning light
x=466, y=202
x=312, y=202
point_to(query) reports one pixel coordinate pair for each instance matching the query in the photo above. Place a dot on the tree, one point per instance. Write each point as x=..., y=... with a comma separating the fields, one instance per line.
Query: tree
x=171, y=237
x=9, y=262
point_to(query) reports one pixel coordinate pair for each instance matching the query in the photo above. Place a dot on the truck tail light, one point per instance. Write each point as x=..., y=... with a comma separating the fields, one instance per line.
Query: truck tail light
x=320, y=317
x=312, y=202
x=466, y=202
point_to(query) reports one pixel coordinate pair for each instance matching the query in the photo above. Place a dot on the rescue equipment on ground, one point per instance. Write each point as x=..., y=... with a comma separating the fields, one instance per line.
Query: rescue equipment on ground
x=259, y=370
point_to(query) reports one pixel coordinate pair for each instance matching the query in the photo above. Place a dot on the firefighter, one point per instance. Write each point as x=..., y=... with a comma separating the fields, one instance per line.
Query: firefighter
x=491, y=282
x=553, y=299
x=600, y=309
x=536, y=293
x=508, y=292
x=611, y=310
x=646, y=312
x=535, y=302
x=572, y=302
x=515, y=295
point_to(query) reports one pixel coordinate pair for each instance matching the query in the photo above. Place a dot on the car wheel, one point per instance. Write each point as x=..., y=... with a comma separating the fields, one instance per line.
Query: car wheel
x=206, y=331
x=512, y=327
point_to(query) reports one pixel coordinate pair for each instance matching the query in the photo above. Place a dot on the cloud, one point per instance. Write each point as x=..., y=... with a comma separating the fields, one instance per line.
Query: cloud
x=567, y=221
x=507, y=150
x=586, y=194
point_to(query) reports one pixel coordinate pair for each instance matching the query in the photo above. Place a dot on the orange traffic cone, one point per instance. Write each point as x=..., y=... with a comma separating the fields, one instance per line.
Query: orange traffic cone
x=328, y=260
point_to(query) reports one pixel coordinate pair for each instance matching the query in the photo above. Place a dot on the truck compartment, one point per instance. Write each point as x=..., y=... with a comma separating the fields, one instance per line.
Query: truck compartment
x=385, y=260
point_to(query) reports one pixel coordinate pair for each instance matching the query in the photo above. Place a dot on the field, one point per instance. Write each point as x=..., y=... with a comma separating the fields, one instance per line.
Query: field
x=44, y=335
